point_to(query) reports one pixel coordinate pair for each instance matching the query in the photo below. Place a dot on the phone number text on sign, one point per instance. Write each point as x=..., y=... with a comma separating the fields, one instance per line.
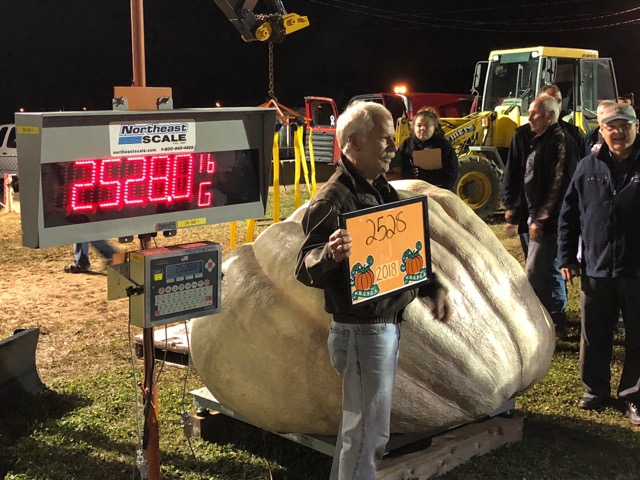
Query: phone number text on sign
x=389, y=249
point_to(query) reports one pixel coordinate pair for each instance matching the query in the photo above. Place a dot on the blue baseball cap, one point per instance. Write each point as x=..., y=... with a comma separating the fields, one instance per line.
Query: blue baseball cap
x=618, y=111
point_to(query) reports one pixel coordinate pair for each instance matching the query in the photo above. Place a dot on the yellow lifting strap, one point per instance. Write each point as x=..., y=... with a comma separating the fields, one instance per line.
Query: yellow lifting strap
x=233, y=233
x=251, y=230
x=312, y=159
x=301, y=161
x=251, y=224
x=276, y=178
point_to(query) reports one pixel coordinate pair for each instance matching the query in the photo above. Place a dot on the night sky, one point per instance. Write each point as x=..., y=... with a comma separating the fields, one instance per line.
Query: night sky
x=66, y=55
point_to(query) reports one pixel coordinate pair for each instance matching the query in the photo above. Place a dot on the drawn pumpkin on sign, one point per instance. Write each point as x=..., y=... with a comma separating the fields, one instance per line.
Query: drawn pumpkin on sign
x=362, y=277
x=412, y=260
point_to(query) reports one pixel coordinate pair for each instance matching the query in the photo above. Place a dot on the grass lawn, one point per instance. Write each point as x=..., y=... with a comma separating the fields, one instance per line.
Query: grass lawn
x=84, y=426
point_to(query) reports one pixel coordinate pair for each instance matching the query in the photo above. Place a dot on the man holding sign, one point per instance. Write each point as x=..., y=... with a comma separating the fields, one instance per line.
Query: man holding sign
x=363, y=340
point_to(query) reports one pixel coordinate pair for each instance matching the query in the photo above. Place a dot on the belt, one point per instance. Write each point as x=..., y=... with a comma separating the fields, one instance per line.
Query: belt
x=393, y=318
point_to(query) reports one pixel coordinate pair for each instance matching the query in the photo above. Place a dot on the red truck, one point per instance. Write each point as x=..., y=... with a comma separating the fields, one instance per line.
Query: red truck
x=323, y=113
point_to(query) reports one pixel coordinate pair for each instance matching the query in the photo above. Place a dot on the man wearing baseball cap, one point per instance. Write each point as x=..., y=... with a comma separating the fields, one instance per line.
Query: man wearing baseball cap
x=602, y=204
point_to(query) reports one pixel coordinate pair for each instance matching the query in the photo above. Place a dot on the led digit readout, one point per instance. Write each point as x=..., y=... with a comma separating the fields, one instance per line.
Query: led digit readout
x=136, y=173
x=90, y=190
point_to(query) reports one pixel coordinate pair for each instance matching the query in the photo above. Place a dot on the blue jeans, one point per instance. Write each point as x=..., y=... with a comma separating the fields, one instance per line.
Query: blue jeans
x=366, y=357
x=524, y=243
x=543, y=271
x=81, y=251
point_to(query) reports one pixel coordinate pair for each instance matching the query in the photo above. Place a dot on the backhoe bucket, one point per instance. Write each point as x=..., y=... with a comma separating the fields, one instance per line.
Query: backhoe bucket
x=18, y=373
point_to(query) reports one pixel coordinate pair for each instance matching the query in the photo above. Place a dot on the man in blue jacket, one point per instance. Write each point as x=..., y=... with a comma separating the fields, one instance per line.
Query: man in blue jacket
x=602, y=204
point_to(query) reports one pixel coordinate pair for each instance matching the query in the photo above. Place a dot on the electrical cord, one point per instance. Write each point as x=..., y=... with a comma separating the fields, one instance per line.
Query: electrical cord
x=164, y=358
x=185, y=413
x=266, y=454
x=140, y=460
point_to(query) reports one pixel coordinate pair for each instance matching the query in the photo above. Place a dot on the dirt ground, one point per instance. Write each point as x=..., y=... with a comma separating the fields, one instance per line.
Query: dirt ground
x=81, y=332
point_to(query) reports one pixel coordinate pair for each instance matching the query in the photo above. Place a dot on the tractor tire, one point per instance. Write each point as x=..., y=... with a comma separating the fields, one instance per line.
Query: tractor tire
x=479, y=184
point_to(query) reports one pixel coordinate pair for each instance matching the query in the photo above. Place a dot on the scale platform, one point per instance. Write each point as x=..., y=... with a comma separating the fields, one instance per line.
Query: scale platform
x=202, y=398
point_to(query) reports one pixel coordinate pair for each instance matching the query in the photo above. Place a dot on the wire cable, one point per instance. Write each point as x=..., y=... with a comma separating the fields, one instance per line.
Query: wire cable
x=136, y=386
x=184, y=393
x=391, y=15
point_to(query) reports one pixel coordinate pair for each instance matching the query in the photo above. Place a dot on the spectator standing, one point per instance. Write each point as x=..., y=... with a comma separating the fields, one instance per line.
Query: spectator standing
x=547, y=171
x=602, y=204
x=427, y=134
x=81, y=263
x=363, y=340
x=513, y=181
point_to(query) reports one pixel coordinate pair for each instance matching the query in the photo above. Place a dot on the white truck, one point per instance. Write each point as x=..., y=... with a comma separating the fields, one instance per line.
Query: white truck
x=8, y=150
x=8, y=156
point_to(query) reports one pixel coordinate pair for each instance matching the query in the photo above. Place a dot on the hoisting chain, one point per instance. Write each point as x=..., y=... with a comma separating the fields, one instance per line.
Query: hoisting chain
x=272, y=93
x=278, y=33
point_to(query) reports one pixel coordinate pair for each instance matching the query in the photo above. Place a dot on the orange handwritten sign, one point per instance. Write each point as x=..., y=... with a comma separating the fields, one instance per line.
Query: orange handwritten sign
x=390, y=249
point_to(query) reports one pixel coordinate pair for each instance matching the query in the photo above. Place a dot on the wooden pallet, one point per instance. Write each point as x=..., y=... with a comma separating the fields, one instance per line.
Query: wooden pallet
x=411, y=456
x=451, y=449
x=170, y=343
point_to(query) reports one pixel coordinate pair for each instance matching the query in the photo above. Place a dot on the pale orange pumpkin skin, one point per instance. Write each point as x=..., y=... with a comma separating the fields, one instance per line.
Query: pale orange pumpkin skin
x=275, y=371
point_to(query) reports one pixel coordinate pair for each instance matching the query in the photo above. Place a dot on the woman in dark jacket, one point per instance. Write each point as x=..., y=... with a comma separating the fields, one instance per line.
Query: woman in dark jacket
x=427, y=134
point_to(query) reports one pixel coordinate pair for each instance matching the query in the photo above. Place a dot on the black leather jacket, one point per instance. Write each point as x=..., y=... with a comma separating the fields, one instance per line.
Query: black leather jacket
x=548, y=170
x=346, y=191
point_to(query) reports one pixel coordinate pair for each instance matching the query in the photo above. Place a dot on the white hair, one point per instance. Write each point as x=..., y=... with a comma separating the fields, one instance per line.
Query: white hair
x=549, y=105
x=359, y=119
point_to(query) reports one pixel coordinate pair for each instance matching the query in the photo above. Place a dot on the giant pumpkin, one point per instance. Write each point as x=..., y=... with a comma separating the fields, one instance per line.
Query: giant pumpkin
x=265, y=355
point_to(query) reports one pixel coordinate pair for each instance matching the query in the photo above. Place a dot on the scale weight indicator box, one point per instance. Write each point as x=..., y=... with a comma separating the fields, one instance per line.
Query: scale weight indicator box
x=178, y=282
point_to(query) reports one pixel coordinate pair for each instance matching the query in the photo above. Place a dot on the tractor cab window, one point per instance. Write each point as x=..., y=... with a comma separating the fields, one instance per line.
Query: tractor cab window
x=597, y=84
x=512, y=79
x=564, y=78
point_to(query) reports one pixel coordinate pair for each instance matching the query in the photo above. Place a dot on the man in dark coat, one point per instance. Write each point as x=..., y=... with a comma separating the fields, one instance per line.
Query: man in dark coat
x=513, y=180
x=602, y=205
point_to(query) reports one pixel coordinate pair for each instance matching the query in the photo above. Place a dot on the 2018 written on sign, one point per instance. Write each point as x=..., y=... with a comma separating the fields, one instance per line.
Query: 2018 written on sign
x=390, y=249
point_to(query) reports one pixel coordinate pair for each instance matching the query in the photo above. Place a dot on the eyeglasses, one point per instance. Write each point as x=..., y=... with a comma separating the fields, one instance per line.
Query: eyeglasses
x=625, y=127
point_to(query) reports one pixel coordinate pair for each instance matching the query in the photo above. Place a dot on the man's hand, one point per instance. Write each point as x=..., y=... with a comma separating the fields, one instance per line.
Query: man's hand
x=439, y=304
x=535, y=232
x=441, y=307
x=570, y=272
x=340, y=245
x=510, y=230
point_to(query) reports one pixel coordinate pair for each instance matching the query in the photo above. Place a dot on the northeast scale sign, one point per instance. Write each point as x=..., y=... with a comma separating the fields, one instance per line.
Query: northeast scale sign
x=88, y=176
x=390, y=249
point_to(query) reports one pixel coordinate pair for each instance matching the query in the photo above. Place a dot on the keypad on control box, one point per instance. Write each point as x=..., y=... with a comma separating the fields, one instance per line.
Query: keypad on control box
x=177, y=300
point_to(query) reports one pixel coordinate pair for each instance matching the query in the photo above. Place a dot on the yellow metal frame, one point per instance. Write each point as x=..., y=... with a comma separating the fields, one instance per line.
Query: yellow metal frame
x=561, y=52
